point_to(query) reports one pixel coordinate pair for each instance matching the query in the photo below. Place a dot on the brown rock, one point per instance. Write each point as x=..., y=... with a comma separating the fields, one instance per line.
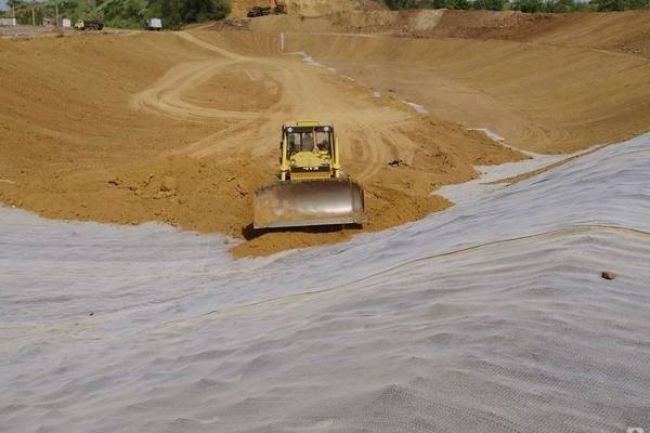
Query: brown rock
x=608, y=275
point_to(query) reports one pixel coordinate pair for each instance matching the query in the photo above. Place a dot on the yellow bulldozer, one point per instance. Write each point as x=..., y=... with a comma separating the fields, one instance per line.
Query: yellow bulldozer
x=311, y=189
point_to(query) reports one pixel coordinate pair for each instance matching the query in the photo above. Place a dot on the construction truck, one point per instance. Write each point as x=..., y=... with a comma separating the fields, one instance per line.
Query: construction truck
x=88, y=25
x=311, y=188
x=153, y=24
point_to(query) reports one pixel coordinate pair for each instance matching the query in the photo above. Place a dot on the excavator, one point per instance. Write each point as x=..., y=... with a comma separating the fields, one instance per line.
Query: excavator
x=278, y=7
x=312, y=188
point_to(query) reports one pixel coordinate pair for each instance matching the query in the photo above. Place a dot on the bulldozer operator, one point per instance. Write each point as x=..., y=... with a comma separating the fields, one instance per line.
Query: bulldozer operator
x=305, y=142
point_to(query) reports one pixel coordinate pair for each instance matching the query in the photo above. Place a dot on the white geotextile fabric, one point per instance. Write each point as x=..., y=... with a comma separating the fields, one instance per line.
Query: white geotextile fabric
x=490, y=316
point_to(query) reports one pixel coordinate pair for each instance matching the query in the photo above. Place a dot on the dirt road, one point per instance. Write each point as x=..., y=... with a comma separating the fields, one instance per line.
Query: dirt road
x=295, y=91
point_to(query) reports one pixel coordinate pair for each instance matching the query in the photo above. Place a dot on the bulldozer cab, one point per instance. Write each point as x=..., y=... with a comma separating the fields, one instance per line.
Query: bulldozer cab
x=317, y=139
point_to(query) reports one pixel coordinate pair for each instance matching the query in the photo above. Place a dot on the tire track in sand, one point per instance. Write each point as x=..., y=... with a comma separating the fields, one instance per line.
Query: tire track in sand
x=372, y=131
x=306, y=92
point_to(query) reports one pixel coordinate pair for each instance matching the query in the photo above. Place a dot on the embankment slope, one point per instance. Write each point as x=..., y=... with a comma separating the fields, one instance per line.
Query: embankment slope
x=183, y=127
x=143, y=134
x=547, y=89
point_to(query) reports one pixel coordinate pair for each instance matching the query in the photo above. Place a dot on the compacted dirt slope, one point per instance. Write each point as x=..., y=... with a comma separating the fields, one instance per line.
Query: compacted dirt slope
x=554, y=88
x=183, y=127
x=180, y=129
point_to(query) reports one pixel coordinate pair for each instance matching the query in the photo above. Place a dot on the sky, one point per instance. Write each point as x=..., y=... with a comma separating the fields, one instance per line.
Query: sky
x=3, y=5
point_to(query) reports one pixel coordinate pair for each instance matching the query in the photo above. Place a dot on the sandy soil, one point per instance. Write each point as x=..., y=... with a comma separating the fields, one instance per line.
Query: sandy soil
x=223, y=109
x=539, y=96
x=183, y=127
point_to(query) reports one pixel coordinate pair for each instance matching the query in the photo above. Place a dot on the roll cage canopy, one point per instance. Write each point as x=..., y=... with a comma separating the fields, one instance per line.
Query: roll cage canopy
x=308, y=136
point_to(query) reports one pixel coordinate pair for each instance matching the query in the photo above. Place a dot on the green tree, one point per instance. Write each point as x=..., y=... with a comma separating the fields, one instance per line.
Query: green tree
x=178, y=12
x=398, y=4
x=610, y=5
x=492, y=5
x=458, y=4
x=170, y=11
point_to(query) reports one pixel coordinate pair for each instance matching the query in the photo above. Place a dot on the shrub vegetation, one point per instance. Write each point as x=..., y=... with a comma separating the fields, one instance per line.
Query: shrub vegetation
x=125, y=13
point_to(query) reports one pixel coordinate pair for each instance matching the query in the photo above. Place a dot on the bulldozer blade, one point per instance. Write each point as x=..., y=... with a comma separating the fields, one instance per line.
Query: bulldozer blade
x=309, y=203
